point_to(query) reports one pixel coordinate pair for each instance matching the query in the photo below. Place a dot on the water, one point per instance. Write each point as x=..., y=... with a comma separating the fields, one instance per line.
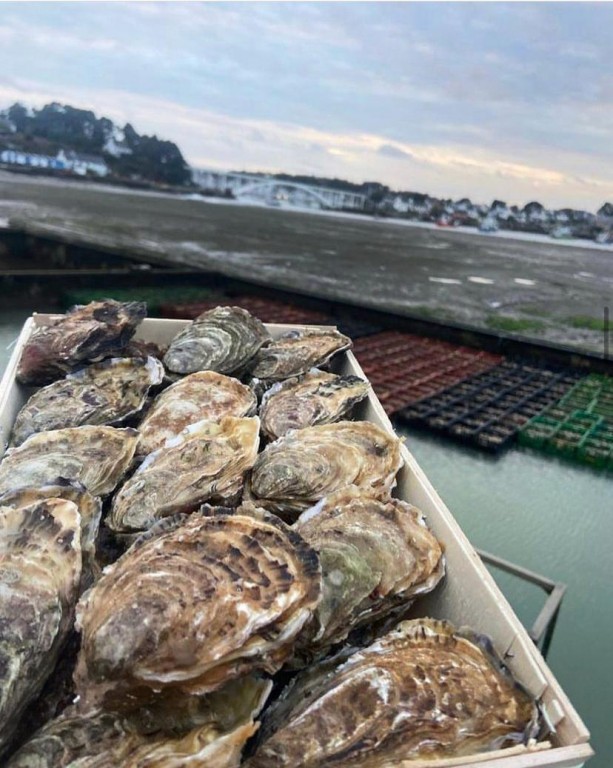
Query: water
x=10, y=326
x=555, y=519
x=550, y=517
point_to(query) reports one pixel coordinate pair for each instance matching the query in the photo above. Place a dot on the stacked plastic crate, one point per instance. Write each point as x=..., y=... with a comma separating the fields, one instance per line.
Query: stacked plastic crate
x=488, y=410
x=404, y=368
x=579, y=426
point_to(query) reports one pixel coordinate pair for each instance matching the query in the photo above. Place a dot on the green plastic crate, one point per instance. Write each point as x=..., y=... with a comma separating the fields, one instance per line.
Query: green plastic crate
x=596, y=457
x=566, y=441
x=584, y=420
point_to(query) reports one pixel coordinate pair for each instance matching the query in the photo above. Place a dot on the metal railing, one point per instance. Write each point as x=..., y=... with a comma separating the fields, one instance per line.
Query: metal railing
x=545, y=623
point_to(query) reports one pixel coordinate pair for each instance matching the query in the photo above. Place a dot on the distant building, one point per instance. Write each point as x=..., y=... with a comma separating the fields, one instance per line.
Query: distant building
x=400, y=205
x=115, y=144
x=82, y=164
x=28, y=159
x=64, y=161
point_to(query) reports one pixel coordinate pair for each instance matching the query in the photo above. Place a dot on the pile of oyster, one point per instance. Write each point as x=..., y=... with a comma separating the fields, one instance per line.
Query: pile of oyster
x=192, y=575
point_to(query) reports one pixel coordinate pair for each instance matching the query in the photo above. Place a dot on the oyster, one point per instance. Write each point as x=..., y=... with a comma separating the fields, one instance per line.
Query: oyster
x=422, y=691
x=206, y=462
x=67, y=738
x=90, y=510
x=200, y=396
x=316, y=398
x=103, y=393
x=204, y=746
x=100, y=742
x=376, y=557
x=225, y=340
x=297, y=470
x=96, y=457
x=40, y=563
x=220, y=723
x=85, y=334
x=196, y=601
x=296, y=352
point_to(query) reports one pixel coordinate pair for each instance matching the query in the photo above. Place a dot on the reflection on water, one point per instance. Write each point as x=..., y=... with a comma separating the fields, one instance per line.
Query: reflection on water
x=550, y=517
x=555, y=519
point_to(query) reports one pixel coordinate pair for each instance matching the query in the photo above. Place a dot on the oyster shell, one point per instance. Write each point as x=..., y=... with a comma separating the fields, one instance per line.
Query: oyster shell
x=315, y=398
x=203, y=396
x=196, y=601
x=204, y=746
x=224, y=339
x=422, y=691
x=296, y=352
x=86, y=333
x=297, y=470
x=96, y=457
x=206, y=462
x=97, y=735
x=103, y=393
x=90, y=511
x=40, y=563
x=376, y=557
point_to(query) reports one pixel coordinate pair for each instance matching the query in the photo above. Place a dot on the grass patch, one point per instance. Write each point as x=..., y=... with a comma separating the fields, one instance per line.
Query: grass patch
x=587, y=321
x=534, y=310
x=513, y=324
x=430, y=313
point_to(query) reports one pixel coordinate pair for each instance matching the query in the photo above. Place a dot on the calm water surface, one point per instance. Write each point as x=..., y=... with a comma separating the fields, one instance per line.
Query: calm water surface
x=548, y=516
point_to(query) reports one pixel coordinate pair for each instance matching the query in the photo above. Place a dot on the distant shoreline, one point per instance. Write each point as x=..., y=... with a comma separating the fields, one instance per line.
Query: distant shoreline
x=118, y=188
x=504, y=234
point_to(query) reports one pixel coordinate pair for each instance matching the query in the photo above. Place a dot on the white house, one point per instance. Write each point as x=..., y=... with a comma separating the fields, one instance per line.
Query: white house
x=82, y=164
x=28, y=159
x=400, y=205
x=115, y=144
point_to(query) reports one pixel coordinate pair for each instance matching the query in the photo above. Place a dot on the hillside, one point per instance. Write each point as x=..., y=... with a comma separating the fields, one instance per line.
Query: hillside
x=128, y=155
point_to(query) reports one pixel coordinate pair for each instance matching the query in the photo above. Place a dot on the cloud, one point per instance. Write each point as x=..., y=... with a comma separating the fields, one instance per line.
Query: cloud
x=478, y=98
x=389, y=150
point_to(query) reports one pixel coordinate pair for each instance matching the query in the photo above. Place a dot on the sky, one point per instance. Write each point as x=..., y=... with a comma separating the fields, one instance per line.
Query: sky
x=487, y=100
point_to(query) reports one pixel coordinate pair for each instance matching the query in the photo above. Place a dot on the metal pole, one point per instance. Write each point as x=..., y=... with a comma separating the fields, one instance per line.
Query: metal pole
x=544, y=625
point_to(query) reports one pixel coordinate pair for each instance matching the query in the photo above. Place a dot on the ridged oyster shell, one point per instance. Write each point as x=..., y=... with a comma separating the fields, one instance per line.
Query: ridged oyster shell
x=206, y=462
x=90, y=511
x=103, y=393
x=298, y=470
x=220, y=724
x=40, y=568
x=202, y=396
x=315, y=398
x=204, y=746
x=376, y=557
x=197, y=601
x=85, y=334
x=225, y=340
x=67, y=738
x=422, y=691
x=96, y=457
x=296, y=352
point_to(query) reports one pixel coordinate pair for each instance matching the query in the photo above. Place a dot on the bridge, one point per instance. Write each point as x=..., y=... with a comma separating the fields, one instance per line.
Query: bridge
x=276, y=192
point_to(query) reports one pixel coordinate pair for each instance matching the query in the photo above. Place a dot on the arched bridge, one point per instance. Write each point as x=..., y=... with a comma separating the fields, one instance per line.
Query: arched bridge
x=275, y=191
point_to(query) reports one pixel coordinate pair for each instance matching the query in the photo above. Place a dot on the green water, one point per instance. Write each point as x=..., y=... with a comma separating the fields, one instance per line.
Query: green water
x=10, y=326
x=550, y=517
x=555, y=519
